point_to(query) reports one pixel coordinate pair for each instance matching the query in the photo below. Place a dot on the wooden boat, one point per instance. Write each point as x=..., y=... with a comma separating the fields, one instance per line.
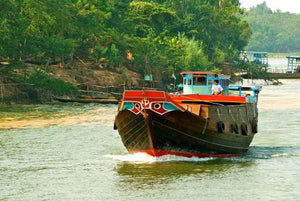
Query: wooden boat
x=193, y=123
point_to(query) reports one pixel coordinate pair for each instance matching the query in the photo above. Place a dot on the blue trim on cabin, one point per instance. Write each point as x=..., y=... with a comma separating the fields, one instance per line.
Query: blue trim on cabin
x=127, y=106
x=169, y=107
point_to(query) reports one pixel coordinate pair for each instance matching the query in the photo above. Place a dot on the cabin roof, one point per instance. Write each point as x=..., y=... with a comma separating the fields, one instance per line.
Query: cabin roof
x=254, y=52
x=199, y=72
x=293, y=57
x=204, y=73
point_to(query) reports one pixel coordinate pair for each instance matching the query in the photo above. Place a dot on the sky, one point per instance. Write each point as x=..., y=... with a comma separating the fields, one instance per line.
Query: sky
x=292, y=6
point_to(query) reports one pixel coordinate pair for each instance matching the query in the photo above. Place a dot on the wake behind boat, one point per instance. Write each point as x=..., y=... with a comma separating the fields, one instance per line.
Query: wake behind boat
x=194, y=123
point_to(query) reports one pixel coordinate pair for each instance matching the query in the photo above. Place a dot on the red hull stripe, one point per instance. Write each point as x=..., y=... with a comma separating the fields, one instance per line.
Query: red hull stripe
x=157, y=153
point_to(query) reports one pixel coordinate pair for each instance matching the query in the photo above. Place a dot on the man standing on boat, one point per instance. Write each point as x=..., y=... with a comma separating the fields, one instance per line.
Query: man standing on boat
x=216, y=88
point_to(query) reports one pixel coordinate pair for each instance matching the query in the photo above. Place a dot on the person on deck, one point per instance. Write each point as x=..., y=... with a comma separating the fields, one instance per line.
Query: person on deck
x=216, y=88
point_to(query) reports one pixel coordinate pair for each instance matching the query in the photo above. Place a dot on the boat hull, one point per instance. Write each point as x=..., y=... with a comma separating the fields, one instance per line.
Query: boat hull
x=179, y=133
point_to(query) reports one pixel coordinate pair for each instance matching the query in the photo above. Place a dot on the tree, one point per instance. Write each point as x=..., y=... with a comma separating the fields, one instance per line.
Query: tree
x=261, y=9
x=162, y=35
x=273, y=31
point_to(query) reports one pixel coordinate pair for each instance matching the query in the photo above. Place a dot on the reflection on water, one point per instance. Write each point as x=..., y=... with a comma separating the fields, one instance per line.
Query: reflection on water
x=148, y=174
x=40, y=116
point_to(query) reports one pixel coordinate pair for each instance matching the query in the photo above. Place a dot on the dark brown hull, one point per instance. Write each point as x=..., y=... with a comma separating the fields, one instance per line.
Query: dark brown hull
x=185, y=132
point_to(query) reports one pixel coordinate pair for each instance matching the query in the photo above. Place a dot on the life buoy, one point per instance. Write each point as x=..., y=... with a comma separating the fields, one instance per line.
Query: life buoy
x=244, y=129
x=235, y=128
x=221, y=127
x=254, y=126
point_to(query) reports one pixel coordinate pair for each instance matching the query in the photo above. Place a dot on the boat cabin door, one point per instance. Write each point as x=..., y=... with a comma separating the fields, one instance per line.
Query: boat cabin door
x=188, y=80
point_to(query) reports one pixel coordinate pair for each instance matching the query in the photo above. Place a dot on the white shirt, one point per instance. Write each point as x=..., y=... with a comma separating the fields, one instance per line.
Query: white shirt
x=217, y=88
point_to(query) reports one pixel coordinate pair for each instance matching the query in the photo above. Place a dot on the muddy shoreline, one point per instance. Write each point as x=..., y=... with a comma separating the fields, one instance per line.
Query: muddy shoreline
x=90, y=79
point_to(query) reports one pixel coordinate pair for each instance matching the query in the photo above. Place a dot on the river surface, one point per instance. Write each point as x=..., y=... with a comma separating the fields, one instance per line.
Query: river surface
x=71, y=152
x=278, y=65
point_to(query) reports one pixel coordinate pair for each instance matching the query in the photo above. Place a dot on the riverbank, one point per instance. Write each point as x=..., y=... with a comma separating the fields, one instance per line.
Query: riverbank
x=87, y=78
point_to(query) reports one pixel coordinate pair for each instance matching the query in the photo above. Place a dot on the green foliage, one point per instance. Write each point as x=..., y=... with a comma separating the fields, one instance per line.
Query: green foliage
x=212, y=32
x=58, y=47
x=112, y=54
x=261, y=9
x=40, y=79
x=217, y=24
x=150, y=17
x=273, y=31
x=192, y=56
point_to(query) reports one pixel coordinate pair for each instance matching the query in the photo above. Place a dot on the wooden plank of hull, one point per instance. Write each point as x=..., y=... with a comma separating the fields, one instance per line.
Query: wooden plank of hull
x=133, y=130
x=188, y=132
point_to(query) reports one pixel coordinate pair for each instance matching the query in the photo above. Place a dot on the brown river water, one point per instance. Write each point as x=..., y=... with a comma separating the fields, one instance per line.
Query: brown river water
x=71, y=152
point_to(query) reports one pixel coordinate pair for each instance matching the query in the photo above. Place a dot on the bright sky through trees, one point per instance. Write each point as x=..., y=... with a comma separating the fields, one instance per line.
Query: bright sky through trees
x=292, y=6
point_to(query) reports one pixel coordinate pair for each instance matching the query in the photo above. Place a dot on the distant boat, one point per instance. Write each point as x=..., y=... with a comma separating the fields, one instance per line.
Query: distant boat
x=257, y=58
x=293, y=64
x=192, y=124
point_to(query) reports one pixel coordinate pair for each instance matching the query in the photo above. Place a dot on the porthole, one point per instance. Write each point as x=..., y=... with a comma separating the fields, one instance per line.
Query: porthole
x=137, y=106
x=157, y=106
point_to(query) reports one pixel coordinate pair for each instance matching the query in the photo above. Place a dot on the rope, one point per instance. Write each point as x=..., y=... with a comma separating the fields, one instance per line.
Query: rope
x=230, y=112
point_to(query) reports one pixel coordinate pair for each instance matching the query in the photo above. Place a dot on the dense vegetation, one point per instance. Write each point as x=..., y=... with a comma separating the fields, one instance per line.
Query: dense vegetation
x=273, y=31
x=161, y=36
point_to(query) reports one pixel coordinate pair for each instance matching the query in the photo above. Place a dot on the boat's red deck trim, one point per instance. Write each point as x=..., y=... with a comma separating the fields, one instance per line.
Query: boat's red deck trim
x=158, y=152
x=209, y=98
x=140, y=94
x=161, y=96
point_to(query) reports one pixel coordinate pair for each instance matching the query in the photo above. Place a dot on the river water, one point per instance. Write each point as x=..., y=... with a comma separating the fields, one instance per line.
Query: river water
x=71, y=152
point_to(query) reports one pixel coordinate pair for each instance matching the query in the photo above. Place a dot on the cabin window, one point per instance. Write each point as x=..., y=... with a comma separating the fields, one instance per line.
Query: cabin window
x=199, y=80
x=195, y=81
x=184, y=81
x=225, y=83
x=190, y=82
x=210, y=82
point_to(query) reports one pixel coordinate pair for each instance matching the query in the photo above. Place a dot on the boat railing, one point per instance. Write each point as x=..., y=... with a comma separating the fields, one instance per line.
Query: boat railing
x=277, y=70
x=245, y=90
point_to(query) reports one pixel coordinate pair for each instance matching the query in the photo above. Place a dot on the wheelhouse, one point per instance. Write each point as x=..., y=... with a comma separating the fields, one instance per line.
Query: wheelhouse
x=199, y=82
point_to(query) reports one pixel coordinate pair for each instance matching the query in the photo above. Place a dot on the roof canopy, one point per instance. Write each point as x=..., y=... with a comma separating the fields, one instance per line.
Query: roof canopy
x=198, y=72
x=204, y=73
x=293, y=57
x=254, y=52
